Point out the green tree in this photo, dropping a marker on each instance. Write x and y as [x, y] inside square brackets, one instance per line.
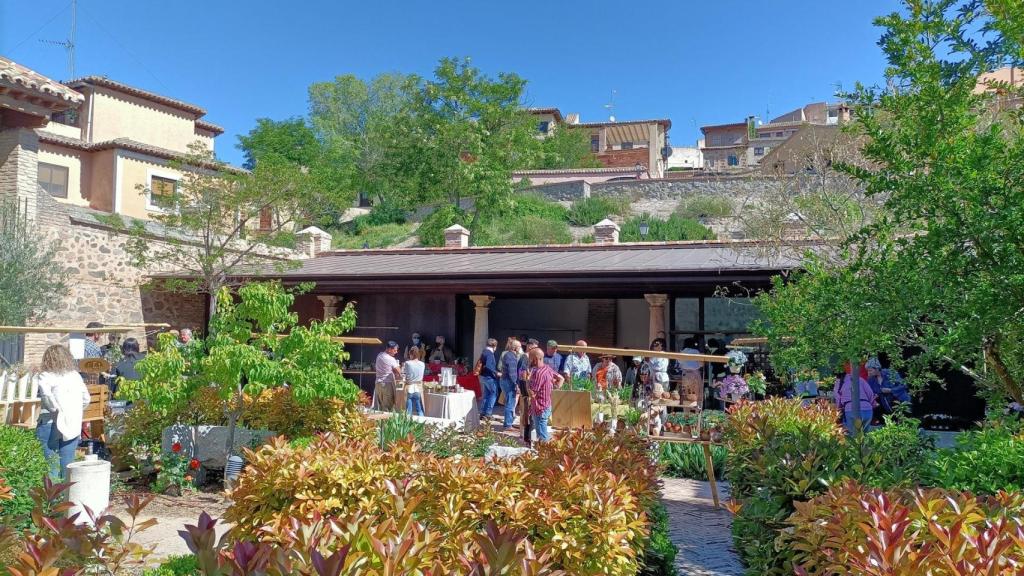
[211, 221]
[256, 344]
[32, 278]
[469, 132]
[565, 147]
[939, 269]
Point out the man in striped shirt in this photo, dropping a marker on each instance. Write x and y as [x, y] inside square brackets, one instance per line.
[543, 378]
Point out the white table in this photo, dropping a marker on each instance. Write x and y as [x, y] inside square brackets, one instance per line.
[458, 406]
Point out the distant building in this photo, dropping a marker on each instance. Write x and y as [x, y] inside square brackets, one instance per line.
[686, 157]
[742, 145]
[616, 144]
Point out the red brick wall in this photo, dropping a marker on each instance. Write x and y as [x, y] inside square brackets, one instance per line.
[602, 317]
[623, 158]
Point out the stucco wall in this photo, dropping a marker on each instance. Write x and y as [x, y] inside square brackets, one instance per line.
[117, 115]
[72, 160]
[136, 172]
[101, 180]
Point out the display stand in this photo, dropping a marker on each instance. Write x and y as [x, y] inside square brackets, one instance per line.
[571, 409]
[709, 464]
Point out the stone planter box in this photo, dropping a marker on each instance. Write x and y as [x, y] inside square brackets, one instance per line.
[210, 441]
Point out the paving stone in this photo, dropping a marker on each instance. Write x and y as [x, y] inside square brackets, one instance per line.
[699, 529]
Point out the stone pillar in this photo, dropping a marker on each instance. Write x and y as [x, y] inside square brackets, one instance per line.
[456, 236]
[656, 306]
[481, 324]
[606, 232]
[330, 306]
[311, 241]
[19, 169]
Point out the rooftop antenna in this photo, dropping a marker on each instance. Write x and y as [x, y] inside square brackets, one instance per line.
[610, 106]
[68, 44]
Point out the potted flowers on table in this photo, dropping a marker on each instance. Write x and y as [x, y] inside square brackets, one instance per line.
[757, 383]
[714, 421]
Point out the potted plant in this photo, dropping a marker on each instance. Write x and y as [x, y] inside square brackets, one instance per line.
[713, 422]
[757, 383]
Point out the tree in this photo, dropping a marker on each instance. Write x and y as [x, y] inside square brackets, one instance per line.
[468, 132]
[211, 222]
[565, 147]
[361, 125]
[257, 344]
[32, 278]
[940, 268]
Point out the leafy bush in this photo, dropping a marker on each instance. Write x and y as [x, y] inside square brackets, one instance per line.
[521, 230]
[398, 427]
[22, 468]
[675, 228]
[659, 557]
[984, 461]
[696, 207]
[527, 204]
[380, 215]
[382, 236]
[687, 460]
[895, 454]
[852, 529]
[175, 566]
[582, 497]
[779, 452]
[447, 441]
[590, 211]
[431, 230]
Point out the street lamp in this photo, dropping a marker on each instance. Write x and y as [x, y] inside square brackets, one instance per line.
[645, 227]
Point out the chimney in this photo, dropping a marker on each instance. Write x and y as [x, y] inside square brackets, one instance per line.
[606, 232]
[572, 118]
[456, 236]
[311, 241]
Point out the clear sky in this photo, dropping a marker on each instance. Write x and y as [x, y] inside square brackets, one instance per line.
[694, 62]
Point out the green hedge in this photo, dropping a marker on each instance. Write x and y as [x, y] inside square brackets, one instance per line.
[23, 466]
[675, 228]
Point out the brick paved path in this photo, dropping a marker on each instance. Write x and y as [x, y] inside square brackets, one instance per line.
[699, 530]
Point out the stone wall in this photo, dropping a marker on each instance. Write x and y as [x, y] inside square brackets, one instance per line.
[563, 191]
[19, 148]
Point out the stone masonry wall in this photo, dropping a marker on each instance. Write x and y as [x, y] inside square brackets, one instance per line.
[18, 166]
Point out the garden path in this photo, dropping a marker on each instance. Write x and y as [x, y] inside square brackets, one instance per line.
[699, 529]
[172, 514]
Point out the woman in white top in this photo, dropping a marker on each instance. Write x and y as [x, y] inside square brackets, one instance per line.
[412, 371]
[659, 367]
[63, 397]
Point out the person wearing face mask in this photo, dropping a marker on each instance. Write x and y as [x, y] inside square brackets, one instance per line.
[440, 353]
[415, 342]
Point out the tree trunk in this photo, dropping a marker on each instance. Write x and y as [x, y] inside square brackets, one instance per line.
[994, 359]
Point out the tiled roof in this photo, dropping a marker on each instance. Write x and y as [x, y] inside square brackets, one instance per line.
[204, 125]
[146, 94]
[555, 172]
[715, 126]
[15, 73]
[125, 144]
[663, 121]
[585, 259]
[553, 111]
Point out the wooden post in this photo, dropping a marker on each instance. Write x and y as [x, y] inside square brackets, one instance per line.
[709, 463]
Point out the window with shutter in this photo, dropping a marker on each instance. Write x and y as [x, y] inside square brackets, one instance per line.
[161, 192]
[53, 179]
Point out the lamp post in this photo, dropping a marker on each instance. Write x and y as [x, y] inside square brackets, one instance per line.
[645, 227]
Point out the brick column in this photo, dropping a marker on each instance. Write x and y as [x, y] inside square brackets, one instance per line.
[19, 168]
[481, 324]
[656, 306]
[602, 321]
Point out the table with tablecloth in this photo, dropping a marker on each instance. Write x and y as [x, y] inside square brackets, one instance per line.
[468, 381]
[460, 406]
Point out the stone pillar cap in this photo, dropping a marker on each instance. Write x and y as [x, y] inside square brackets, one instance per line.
[314, 231]
[456, 228]
[606, 223]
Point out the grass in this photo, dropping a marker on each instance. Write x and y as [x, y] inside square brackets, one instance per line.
[590, 211]
[705, 207]
[673, 229]
[380, 236]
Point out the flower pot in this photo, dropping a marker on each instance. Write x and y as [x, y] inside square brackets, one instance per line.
[705, 434]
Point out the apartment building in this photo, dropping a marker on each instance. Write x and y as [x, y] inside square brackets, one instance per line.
[626, 144]
[742, 145]
[116, 151]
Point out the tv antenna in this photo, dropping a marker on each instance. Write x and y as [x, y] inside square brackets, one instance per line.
[610, 106]
[68, 44]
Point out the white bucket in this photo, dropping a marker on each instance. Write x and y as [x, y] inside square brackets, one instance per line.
[90, 487]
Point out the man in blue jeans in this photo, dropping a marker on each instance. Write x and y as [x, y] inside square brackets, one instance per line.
[488, 378]
[543, 379]
[509, 365]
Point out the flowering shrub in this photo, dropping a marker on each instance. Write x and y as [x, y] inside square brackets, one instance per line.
[852, 529]
[582, 498]
[175, 472]
[734, 384]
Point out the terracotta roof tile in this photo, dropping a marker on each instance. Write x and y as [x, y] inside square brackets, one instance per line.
[139, 92]
[125, 144]
[15, 73]
[204, 125]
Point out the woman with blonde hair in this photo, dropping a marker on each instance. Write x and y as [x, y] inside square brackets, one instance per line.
[64, 397]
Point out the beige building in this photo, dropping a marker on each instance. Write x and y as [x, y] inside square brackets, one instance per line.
[115, 151]
[742, 145]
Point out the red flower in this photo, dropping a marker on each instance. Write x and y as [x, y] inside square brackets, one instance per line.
[194, 464]
[176, 447]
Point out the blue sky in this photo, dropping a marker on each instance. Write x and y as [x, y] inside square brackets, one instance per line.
[693, 62]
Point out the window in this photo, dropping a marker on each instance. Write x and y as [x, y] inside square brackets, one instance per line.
[53, 179]
[69, 117]
[626, 146]
[543, 127]
[161, 193]
[759, 151]
[595, 143]
[733, 160]
[778, 134]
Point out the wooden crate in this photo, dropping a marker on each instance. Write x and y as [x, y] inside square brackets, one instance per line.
[571, 409]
